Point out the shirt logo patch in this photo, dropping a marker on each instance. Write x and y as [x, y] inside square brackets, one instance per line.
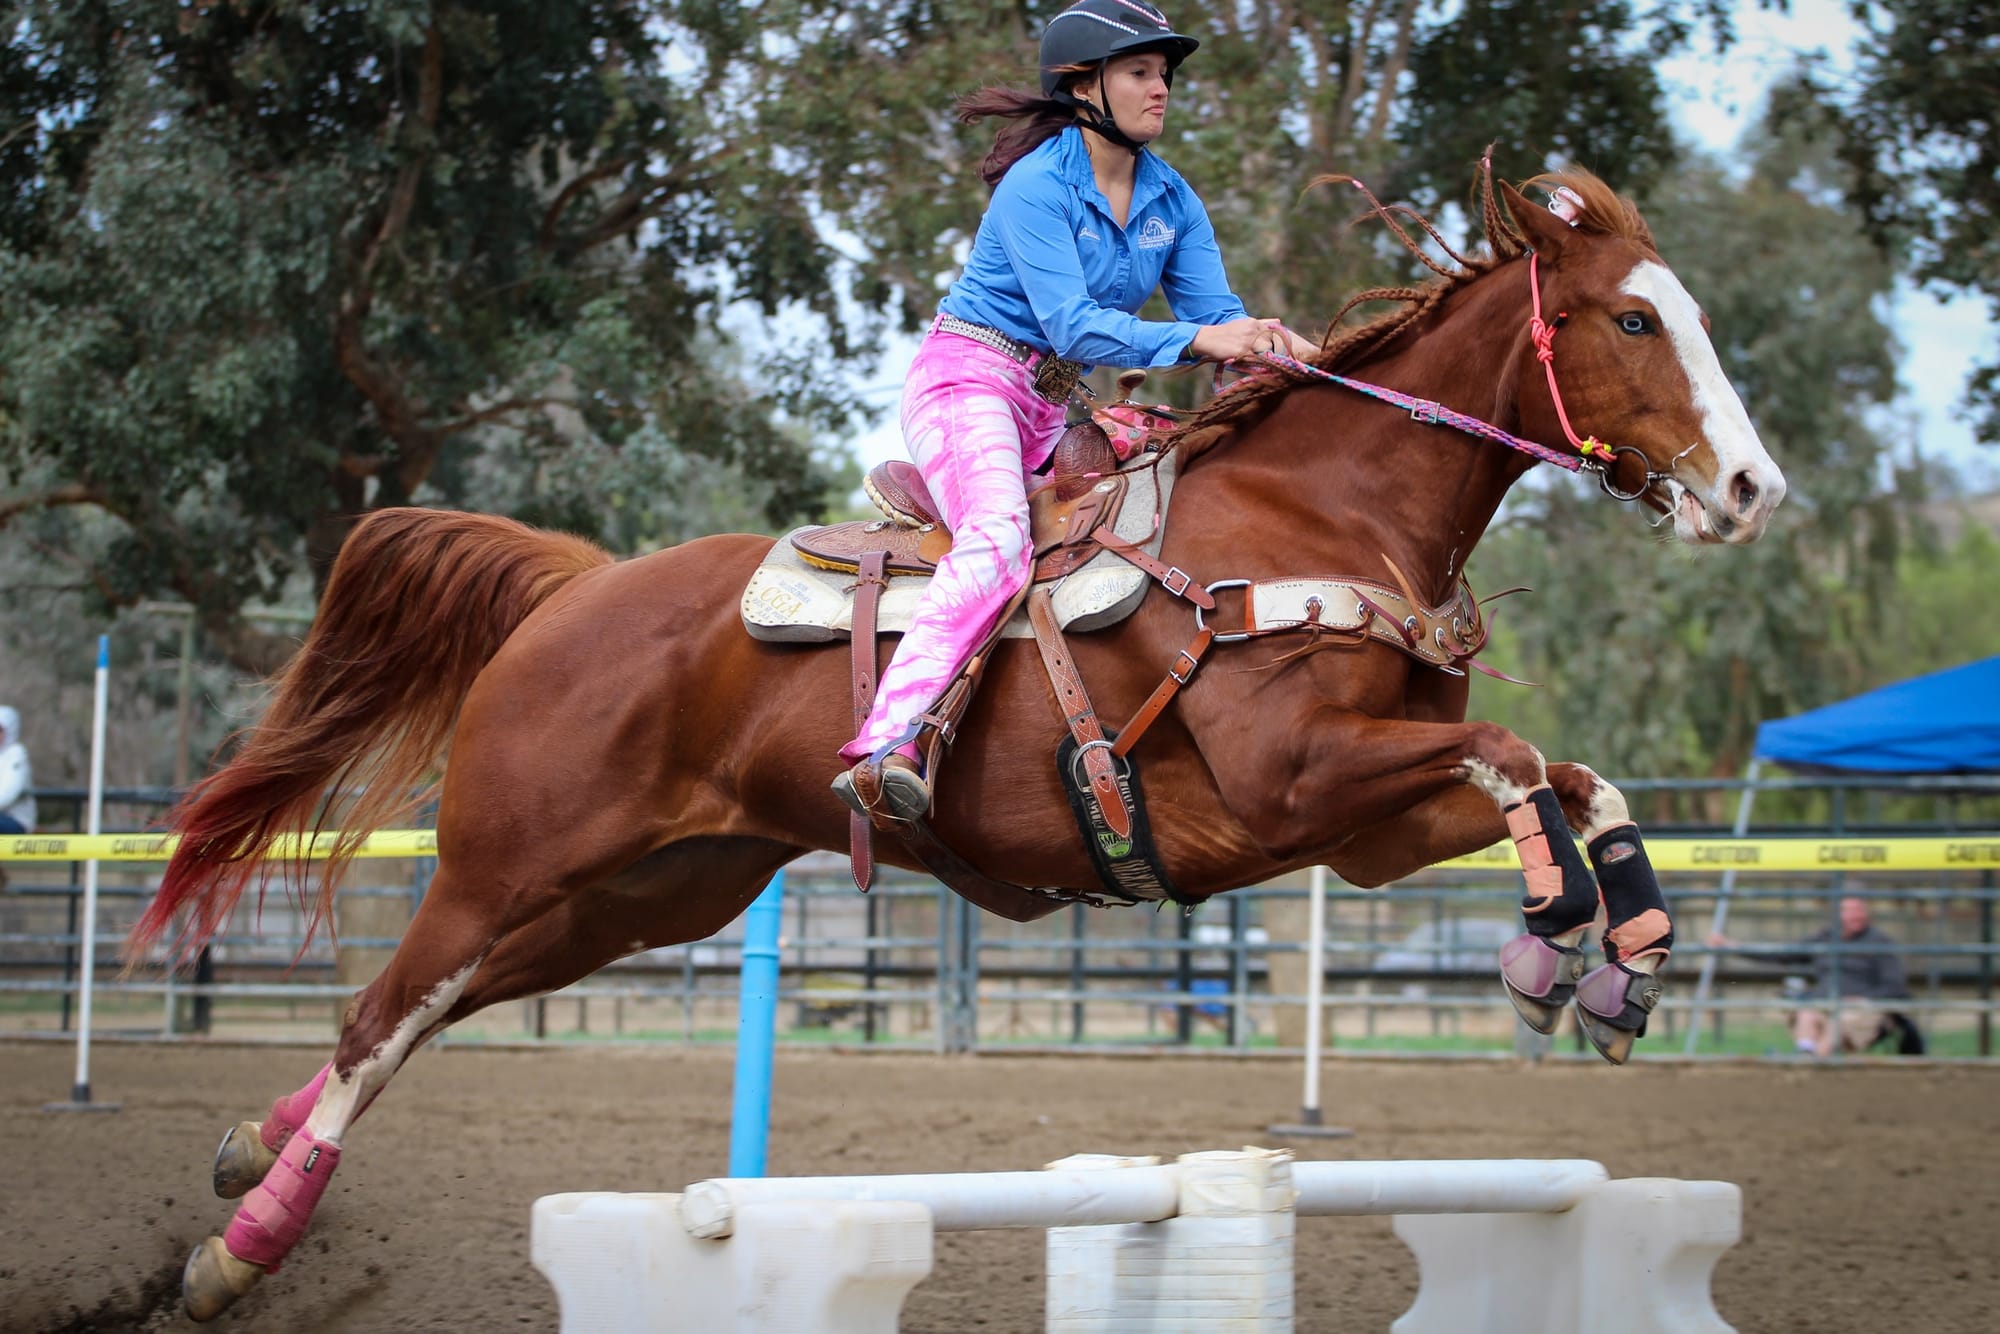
[1087, 234]
[1155, 235]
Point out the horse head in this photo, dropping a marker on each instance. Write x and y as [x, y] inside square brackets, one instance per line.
[1615, 342]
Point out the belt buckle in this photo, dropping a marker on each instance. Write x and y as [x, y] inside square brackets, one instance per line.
[1057, 379]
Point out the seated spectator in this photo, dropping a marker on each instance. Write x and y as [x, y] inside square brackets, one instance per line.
[1867, 975]
[17, 801]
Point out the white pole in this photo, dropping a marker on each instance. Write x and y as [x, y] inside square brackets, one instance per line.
[1310, 1124]
[1315, 989]
[79, 1095]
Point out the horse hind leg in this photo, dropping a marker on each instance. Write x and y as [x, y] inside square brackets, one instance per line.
[383, 1025]
[552, 944]
[1614, 999]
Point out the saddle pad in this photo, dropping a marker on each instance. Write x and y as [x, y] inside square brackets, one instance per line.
[789, 602]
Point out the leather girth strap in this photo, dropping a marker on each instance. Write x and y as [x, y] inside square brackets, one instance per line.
[870, 582]
[1078, 713]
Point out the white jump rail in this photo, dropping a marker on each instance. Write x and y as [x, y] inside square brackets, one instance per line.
[1135, 1244]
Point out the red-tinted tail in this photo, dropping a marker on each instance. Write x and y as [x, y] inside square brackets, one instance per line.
[418, 603]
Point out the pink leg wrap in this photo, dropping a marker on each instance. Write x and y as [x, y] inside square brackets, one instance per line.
[273, 1216]
[290, 1111]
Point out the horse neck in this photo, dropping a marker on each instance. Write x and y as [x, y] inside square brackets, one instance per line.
[1391, 486]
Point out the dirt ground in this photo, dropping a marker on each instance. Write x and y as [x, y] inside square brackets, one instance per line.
[1871, 1195]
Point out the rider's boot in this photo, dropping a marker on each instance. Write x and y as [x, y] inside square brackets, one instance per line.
[893, 786]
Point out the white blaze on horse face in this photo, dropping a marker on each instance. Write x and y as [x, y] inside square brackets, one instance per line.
[1736, 503]
[341, 1100]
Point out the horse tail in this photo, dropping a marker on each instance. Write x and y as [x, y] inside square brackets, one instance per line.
[418, 603]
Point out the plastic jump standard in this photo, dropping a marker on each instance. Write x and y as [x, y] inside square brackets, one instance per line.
[1202, 1243]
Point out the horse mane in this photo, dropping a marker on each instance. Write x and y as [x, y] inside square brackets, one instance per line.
[1603, 212]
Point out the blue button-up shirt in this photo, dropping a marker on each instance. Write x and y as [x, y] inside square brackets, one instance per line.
[1052, 267]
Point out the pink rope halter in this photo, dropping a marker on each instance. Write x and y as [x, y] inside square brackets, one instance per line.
[1544, 335]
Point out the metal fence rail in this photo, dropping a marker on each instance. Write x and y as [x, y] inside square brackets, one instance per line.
[1409, 968]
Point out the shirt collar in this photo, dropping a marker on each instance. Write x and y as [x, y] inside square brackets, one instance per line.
[1073, 157]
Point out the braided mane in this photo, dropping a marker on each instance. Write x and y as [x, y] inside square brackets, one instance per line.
[1604, 213]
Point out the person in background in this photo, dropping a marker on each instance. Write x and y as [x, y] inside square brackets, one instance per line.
[1869, 972]
[17, 798]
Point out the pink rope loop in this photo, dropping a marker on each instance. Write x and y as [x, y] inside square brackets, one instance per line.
[1544, 336]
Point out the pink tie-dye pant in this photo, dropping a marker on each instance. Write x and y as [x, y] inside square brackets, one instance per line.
[976, 430]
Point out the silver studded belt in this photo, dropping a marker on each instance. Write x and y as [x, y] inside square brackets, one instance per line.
[1056, 378]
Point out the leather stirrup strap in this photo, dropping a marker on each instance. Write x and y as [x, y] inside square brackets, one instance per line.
[1016, 903]
[870, 581]
[1077, 712]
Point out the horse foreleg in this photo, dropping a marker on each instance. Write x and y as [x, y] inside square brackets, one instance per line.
[1614, 999]
[1434, 772]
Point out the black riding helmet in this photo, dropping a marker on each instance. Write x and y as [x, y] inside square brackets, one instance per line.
[1091, 32]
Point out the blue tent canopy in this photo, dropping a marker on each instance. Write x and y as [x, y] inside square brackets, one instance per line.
[1944, 723]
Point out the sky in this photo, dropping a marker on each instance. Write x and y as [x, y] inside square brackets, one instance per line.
[1714, 102]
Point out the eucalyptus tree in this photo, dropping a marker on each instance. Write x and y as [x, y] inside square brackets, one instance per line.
[266, 265]
[1659, 660]
[1405, 95]
[1918, 130]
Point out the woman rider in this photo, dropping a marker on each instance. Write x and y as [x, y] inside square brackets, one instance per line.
[1084, 224]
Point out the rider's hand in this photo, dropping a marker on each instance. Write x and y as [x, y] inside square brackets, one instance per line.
[1239, 339]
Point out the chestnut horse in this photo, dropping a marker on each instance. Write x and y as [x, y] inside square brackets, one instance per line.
[628, 767]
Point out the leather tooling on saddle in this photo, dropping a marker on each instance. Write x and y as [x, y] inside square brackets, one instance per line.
[803, 591]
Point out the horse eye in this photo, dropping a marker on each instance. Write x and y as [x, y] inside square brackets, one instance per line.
[1634, 323]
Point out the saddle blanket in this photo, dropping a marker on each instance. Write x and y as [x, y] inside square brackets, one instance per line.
[790, 602]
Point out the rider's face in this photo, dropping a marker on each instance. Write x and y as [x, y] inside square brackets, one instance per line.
[1134, 91]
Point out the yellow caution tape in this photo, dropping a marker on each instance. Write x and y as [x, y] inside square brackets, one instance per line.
[159, 847]
[1970, 853]
[1789, 854]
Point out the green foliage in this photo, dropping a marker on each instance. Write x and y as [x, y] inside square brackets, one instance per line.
[1918, 129]
[266, 266]
[1278, 94]
[1662, 660]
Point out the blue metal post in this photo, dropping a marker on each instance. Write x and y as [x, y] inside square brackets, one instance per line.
[756, 1032]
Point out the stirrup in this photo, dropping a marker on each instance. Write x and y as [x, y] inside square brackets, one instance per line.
[1612, 1004]
[898, 790]
[1540, 976]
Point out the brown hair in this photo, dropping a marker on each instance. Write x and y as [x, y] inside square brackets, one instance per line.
[1032, 120]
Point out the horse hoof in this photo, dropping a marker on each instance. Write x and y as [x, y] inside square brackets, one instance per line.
[214, 1279]
[241, 1161]
[1611, 1007]
[1540, 976]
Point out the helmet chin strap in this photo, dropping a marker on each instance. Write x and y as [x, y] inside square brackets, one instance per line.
[1100, 121]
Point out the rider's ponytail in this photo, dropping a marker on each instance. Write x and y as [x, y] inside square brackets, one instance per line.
[1032, 120]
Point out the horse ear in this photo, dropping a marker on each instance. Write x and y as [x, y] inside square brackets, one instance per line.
[1545, 231]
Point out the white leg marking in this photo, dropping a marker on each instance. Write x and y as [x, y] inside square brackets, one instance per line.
[341, 1100]
[1724, 423]
[1605, 809]
[1504, 791]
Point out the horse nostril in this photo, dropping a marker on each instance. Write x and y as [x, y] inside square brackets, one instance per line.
[1743, 490]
